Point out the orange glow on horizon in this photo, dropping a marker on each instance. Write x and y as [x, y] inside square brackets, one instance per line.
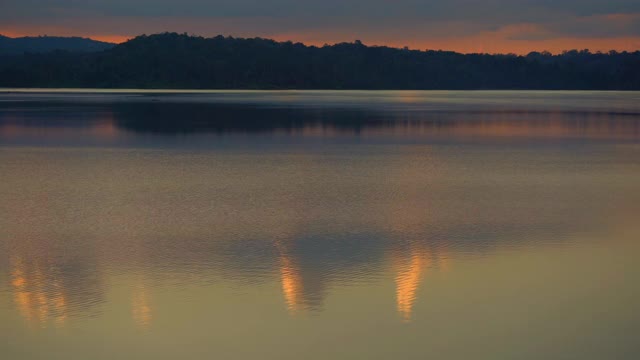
[116, 39]
[492, 44]
[495, 42]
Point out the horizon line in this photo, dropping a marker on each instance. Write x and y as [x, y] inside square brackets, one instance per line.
[118, 40]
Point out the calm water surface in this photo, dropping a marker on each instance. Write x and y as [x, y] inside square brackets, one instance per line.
[319, 225]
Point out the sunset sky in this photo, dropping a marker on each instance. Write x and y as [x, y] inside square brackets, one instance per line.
[492, 26]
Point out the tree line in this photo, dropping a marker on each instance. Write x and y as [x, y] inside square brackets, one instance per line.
[180, 61]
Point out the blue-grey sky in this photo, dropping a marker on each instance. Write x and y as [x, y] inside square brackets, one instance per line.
[462, 25]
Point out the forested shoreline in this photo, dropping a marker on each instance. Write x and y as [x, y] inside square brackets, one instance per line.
[180, 61]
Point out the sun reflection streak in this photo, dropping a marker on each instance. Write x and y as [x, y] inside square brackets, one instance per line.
[141, 310]
[291, 284]
[290, 279]
[410, 270]
[37, 297]
[408, 276]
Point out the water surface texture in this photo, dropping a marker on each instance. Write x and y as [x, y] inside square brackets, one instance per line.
[319, 225]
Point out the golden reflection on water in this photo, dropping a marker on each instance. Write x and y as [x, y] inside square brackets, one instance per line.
[410, 270]
[291, 280]
[408, 277]
[39, 297]
[141, 307]
[132, 236]
[408, 189]
[291, 284]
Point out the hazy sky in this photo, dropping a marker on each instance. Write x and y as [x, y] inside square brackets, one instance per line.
[516, 26]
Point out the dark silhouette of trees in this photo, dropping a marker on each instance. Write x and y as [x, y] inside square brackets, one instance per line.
[42, 44]
[173, 60]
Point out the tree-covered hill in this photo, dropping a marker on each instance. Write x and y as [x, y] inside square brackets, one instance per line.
[43, 44]
[172, 60]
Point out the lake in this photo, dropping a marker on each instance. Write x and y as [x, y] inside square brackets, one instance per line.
[319, 224]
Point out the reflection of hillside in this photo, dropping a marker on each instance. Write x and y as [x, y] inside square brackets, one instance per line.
[305, 218]
[178, 118]
[166, 117]
[216, 118]
[317, 232]
[55, 117]
[312, 218]
[308, 267]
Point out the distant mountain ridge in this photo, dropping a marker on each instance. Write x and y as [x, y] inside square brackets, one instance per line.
[180, 61]
[43, 44]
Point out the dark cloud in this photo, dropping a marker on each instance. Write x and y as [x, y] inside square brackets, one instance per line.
[442, 10]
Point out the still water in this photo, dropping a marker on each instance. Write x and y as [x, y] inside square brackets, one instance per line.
[319, 225]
